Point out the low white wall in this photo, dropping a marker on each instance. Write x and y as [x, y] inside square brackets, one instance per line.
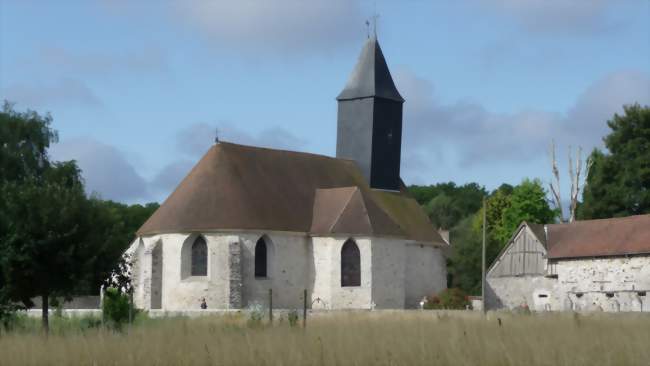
[77, 303]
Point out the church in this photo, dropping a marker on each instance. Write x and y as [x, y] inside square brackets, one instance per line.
[247, 220]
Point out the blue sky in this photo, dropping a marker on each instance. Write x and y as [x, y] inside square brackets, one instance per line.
[136, 89]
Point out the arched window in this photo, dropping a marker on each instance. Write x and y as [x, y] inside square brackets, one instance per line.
[199, 257]
[261, 258]
[350, 264]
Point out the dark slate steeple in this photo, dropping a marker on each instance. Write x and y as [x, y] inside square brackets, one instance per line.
[370, 119]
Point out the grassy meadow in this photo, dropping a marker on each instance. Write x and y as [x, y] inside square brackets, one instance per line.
[355, 338]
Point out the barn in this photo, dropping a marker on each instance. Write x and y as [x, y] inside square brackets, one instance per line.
[589, 265]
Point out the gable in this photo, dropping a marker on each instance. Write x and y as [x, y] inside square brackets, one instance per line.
[347, 211]
[524, 255]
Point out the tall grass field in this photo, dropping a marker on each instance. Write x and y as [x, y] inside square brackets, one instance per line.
[339, 338]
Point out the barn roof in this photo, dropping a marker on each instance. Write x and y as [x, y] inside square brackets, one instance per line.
[598, 238]
[239, 187]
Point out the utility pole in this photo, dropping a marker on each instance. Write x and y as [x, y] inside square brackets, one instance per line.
[483, 258]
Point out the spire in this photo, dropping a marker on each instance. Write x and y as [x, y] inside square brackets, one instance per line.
[370, 77]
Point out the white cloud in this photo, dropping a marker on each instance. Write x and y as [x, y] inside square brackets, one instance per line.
[575, 17]
[467, 135]
[279, 25]
[170, 176]
[195, 140]
[105, 169]
[65, 91]
[96, 63]
[109, 172]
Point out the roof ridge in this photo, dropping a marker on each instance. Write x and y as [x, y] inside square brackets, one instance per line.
[254, 147]
[622, 218]
[338, 217]
[367, 213]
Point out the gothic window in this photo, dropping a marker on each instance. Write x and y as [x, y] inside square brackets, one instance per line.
[199, 257]
[350, 264]
[261, 258]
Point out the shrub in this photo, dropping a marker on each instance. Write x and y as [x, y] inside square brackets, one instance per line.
[255, 314]
[293, 318]
[522, 309]
[451, 298]
[57, 304]
[115, 307]
[10, 320]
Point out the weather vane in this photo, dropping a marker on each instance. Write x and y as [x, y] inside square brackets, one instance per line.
[374, 23]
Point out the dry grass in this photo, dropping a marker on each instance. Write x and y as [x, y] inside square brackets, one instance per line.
[379, 338]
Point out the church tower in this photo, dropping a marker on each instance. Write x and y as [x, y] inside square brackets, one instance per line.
[369, 128]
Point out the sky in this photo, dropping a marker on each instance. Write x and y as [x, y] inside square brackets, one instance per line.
[137, 89]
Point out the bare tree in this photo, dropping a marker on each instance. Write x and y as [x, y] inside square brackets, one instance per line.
[577, 184]
[555, 189]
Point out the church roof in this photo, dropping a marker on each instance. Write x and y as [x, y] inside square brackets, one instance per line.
[370, 77]
[348, 210]
[237, 187]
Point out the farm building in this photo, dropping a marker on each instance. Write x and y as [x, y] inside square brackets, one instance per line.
[582, 266]
[248, 219]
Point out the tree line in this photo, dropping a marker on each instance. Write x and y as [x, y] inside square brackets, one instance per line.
[55, 241]
[618, 184]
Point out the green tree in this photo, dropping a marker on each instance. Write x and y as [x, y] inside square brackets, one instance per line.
[54, 241]
[619, 181]
[528, 202]
[443, 211]
[464, 265]
[24, 140]
[446, 203]
[115, 227]
[44, 249]
[507, 207]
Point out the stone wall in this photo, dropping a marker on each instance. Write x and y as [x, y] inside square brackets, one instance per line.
[356, 297]
[288, 269]
[513, 292]
[426, 273]
[327, 291]
[610, 284]
[593, 284]
[388, 274]
[392, 274]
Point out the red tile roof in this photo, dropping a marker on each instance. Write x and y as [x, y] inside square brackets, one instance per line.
[599, 238]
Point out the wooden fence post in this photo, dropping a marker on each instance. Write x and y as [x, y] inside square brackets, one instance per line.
[131, 307]
[304, 310]
[101, 303]
[270, 306]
